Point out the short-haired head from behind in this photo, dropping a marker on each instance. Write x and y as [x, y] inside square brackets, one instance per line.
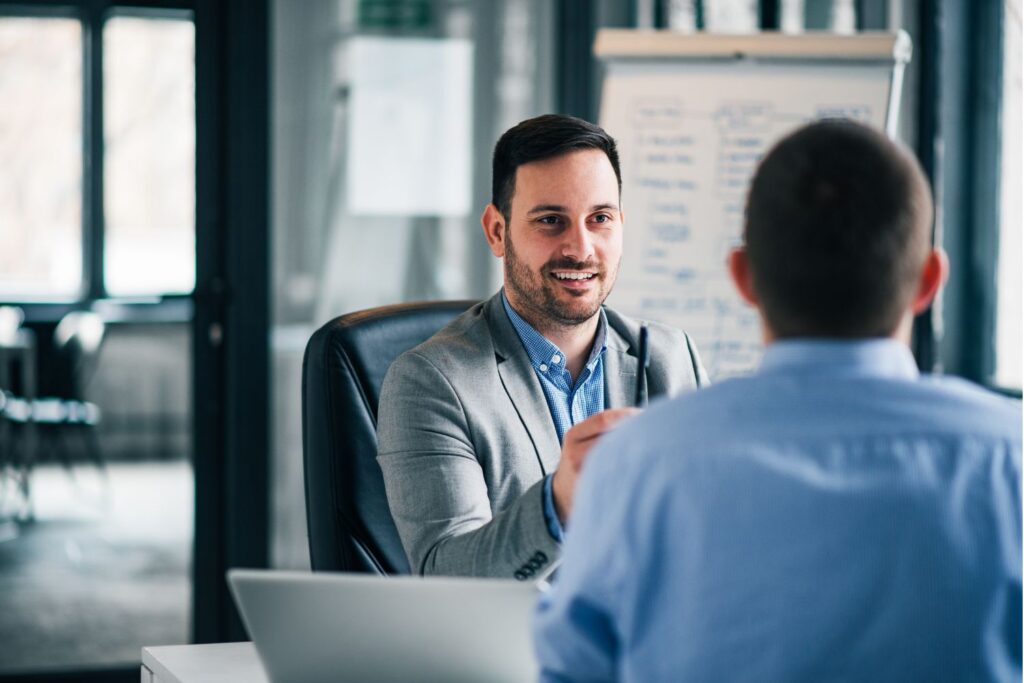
[838, 235]
[543, 137]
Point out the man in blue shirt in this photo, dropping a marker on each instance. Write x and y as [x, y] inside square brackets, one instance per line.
[835, 516]
[483, 427]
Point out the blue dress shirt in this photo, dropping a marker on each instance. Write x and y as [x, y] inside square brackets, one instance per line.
[569, 402]
[834, 517]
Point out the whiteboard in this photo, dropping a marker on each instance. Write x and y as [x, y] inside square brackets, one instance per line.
[409, 140]
[691, 128]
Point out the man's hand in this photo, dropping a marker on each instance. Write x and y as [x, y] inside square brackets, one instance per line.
[577, 443]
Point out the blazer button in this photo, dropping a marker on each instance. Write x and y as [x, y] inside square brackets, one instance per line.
[520, 575]
[540, 556]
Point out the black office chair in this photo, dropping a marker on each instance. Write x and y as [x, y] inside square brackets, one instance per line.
[347, 514]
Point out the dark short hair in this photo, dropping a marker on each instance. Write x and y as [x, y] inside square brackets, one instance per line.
[539, 138]
[838, 225]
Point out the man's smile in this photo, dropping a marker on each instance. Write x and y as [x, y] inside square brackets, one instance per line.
[573, 275]
[577, 281]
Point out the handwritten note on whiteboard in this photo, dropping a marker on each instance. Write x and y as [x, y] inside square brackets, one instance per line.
[690, 136]
[410, 130]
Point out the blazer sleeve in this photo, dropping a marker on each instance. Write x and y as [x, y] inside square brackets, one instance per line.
[436, 487]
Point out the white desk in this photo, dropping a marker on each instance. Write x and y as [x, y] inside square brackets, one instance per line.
[217, 663]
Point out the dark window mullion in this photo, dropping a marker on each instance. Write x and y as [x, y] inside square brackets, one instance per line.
[872, 15]
[981, 181]
[769, 15]
[93, 15]
[577, 25]
[930, 91]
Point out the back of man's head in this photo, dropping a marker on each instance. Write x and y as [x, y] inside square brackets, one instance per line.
[543, 137]
[838, 225]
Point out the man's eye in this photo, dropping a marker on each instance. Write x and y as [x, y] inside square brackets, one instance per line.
[550, 220]
[602, 218]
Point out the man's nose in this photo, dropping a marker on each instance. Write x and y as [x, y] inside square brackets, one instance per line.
[578, 243]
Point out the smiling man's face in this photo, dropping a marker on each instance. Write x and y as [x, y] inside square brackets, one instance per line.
[563, 240]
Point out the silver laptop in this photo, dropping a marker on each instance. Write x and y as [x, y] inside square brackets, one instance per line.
[315, 628]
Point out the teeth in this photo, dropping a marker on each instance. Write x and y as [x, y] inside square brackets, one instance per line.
[574, 276]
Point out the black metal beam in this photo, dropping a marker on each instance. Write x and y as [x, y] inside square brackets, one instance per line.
[247, 261]
[92, 150]
[769, 15]
[980, 181]
[231, 340]
[577, 26]
[963, 44]
[208, 391]
[929, 131]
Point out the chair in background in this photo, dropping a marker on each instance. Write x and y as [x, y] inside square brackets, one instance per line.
[347, 514]
[10, 322]
[66, 421]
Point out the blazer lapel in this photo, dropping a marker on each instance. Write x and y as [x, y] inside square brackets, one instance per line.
[620, 366]
[522, 386]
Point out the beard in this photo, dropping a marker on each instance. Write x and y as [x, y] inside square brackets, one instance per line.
[548, 304]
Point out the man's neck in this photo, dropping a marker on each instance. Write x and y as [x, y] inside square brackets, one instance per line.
[575, 341]
[902, 333]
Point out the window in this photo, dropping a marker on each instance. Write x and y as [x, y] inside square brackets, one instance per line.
[64, 235]
[149, 146]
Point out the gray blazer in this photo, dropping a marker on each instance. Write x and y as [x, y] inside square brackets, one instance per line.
[466, 438]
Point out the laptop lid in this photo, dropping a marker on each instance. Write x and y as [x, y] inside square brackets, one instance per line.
[315, 628]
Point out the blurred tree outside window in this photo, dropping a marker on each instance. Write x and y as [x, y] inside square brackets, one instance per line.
[147, 105]
[149, 163]
[41, 148]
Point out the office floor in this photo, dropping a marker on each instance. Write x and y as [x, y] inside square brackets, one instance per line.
[103, 570]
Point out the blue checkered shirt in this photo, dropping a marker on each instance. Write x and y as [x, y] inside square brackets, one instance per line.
[568, 402]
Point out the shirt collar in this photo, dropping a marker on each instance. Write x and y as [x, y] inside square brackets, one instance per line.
[883, 358]
[540, 350]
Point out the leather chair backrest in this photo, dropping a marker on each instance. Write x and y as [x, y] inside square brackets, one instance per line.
[347, 514]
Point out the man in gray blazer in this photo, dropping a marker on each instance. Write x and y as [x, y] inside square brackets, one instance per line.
[483, 428]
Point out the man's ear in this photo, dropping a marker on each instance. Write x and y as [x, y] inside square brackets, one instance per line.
[739, 271]
[493, 224]
[929, 282]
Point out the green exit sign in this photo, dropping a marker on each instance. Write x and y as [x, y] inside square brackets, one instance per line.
[401, 14]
